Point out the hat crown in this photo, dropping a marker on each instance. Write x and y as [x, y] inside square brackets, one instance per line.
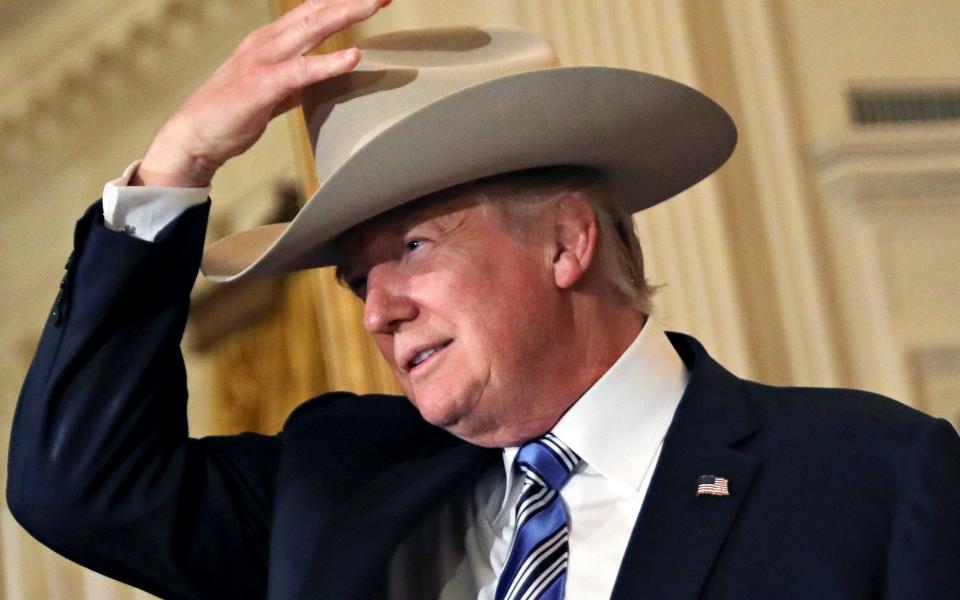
[401, 72]
[431, 109]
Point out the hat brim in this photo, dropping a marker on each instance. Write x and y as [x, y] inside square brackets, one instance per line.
[651, 137]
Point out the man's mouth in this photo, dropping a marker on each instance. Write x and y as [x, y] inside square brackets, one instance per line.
[424, 355]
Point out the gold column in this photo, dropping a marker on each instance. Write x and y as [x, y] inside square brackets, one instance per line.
[350, 359]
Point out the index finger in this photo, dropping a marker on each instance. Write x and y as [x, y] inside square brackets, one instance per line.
[313, 21]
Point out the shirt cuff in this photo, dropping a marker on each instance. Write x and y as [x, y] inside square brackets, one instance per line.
[143, 211]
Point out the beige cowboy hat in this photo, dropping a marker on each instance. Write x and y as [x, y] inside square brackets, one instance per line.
[430, 109]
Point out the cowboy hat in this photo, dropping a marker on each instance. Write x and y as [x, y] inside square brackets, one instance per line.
[430, 109]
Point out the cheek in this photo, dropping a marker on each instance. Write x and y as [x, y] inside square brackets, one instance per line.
[385, 345]
[508, 323]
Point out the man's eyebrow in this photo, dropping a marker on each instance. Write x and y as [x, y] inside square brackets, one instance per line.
[403, 221]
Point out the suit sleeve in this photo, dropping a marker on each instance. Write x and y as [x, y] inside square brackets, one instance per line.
[101, 468]
[923, 561]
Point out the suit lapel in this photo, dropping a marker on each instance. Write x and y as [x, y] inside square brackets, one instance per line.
[678, 534]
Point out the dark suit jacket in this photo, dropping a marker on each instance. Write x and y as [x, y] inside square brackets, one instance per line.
[833, 494]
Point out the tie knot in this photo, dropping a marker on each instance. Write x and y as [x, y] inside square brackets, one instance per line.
[549, 459]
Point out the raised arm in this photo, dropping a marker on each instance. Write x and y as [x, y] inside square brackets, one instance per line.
[101, 467]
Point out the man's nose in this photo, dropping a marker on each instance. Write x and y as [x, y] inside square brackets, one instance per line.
[387, 304]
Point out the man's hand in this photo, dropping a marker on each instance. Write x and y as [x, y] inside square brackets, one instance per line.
[260, 80]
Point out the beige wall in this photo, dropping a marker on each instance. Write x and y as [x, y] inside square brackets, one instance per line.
[823, 254]
[888, 197]
[834, 42]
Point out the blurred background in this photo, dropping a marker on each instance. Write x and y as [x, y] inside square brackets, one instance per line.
[825, 253]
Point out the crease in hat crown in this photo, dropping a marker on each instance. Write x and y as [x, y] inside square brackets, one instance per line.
[402, 71]
[429, 109]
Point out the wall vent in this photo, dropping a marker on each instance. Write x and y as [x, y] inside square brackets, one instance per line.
[876, 105]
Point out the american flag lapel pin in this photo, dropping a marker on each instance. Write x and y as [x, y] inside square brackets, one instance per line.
[711, 485]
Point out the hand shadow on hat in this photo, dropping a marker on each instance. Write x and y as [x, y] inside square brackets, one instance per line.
[348, 86]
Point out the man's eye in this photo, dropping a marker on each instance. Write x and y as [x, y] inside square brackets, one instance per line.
[413, 244]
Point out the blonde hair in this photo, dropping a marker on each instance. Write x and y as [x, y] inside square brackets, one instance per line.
[618, 247]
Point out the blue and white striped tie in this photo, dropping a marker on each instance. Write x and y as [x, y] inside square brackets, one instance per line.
[537, 565]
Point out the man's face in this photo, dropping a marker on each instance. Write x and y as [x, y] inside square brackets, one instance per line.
[462, 306]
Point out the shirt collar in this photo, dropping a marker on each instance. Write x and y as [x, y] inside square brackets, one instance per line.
[617, 426]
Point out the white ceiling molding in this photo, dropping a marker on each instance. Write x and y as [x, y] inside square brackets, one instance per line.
[915, 163]
[71, 55]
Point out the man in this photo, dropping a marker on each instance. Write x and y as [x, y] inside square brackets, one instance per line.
[555, 443]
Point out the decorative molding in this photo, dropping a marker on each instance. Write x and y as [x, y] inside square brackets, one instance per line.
[219, 310]
[916, 165]
[876, 188]
[891, 142]
[71, 57]
[226, 309]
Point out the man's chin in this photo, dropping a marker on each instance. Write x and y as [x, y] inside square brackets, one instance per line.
[464, 426]
[454, 420]
[438, 413]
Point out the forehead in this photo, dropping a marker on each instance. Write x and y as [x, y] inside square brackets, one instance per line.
[452, 204]
[408, 215]
[498, 200]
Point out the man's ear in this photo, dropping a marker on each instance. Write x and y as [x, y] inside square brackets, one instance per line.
[575, 238]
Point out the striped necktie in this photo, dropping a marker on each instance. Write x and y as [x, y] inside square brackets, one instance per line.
[537, 565]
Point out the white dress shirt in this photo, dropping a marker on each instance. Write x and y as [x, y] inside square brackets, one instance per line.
[617, 427]
[143, 211]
